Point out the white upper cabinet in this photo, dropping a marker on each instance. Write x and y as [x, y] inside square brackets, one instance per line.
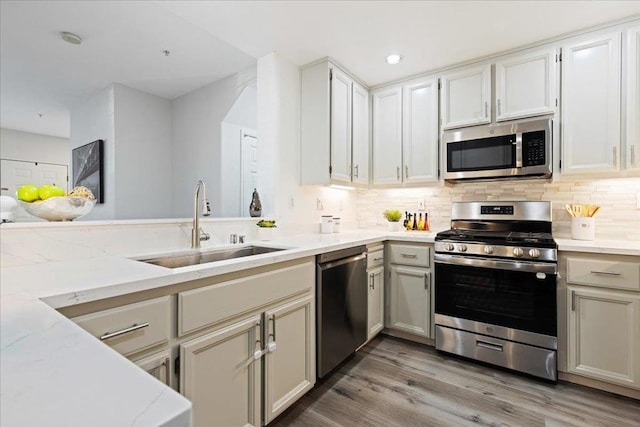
[420, 130]
[334, 127]
[591, 105]
[466, 97]
[633, 98]
[526, 85]
[360, 134]
[340, 126]
[387, 135]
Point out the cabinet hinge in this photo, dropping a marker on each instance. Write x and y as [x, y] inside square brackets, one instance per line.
[330, 169]
[330, 74]
[176, 366]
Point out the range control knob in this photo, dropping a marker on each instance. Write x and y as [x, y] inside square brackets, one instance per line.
[488, 250]
[462, 248]
[534, 253]
[518, 252]
[449, 247]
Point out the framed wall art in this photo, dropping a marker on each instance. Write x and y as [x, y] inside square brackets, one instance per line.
[87, 162]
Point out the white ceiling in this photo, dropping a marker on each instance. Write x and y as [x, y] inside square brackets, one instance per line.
[123, 42]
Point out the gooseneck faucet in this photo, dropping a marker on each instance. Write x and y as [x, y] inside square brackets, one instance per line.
[197, 234]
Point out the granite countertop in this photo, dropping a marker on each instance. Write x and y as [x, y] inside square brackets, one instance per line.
[53, 372]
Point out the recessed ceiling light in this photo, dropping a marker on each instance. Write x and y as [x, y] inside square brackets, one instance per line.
[394, 58]
[70, 37]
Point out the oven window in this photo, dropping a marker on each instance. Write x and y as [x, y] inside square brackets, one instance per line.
[497, 152]
[514, 299]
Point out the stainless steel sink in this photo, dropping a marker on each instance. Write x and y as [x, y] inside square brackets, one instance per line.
[194, 258]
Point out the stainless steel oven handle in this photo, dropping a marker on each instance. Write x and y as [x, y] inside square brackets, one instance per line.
[532, 267]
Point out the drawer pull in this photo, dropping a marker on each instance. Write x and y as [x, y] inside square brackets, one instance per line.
[488, 345]
[372, 282]
[167, 370]
[409, 255]
[378, 259]
[608, 273]
[131, 328]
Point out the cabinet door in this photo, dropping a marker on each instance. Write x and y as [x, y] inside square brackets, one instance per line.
[375, 302]
[360, 134]
[633, 99]
[158, 365]
[220, 376]
[387, 136]
[465, 97]
[591, 105]
[290, 369]
[420, 135]
[526, 85]
[340, 126]
[409, 303]
[604, 335]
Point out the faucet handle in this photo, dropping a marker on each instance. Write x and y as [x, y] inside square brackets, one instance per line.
[233, 238]
[203, 235]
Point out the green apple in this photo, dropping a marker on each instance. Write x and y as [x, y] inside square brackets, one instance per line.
[47, 191]
[28, 193]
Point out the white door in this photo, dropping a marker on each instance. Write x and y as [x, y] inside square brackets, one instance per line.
[360, 134]
[249, 169]
[420, 135]
[375, 301]
[16, 173]
[526, 85]
[604, 335]
[159, 366]
[290, 369]
[409, 303]
[465, 97]
[591, 105]
[340, 126]
[387, 136]
[220, 376]
[633, 98]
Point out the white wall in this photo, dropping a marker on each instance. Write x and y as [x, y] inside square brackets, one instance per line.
[143, 178]
[196, 151]
[34, 147]
[92, 120]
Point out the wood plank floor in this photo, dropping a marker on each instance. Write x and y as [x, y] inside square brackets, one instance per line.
[392, 382]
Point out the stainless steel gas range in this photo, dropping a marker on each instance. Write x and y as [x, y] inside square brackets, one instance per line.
[495, 286]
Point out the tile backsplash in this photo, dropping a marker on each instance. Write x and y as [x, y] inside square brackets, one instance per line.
[619, 217]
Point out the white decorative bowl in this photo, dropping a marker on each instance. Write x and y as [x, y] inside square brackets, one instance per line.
[64, 208]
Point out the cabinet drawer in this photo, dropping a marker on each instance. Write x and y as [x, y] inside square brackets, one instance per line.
[409, 255]
[609, 274]
[131, 327]
[375, 259]
[206, 306]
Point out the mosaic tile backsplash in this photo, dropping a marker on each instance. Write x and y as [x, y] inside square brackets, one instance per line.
[618, 219]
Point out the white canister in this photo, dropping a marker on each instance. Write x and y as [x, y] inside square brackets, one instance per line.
[583, 228]
[326, 224]
[336, 224]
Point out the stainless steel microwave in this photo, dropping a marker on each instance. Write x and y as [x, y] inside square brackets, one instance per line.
[510, 150]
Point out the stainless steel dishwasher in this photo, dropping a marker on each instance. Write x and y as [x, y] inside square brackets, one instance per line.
[341, 298]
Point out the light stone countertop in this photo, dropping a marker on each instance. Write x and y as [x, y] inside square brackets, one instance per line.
[54, 373]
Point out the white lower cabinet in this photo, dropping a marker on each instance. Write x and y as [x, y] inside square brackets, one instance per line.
[289, 364]
[410, 301]
[159, 366]
[604, 335]
[375, 318]
[221, 372]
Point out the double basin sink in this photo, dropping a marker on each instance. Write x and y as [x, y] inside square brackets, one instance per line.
[195, 258]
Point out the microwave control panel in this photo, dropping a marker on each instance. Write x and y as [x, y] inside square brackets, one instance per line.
[533, 148]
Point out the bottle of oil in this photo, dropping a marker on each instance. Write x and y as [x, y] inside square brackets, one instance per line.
[415, 221]
[426, 222]
[420, 222]
[410, 223]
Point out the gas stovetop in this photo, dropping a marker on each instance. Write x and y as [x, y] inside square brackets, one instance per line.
[518, 230]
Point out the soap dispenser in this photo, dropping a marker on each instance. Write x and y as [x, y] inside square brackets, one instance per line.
[255, 208]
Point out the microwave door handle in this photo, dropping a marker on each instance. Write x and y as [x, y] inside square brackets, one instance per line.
[518, 150]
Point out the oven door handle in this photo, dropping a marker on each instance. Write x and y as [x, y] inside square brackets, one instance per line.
[531, 267]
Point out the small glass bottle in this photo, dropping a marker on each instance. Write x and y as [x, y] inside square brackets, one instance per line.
[415, 221]
[410, 222]
[426, 222]
[420, 222]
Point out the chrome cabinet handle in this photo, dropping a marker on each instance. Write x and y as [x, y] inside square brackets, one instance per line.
[378, 259]
[408, 255]
[398, 172]
[167, 370]
[356, 169]
[573, 301]
[427, 279]
[608, 273]
[131, 328]
[615, 160]
[486, 109]
[499, 107]
[406, 171]
[371, 281]
[488, 345]
[273, 320]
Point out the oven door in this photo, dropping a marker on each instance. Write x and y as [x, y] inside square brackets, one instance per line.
[513, 294]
